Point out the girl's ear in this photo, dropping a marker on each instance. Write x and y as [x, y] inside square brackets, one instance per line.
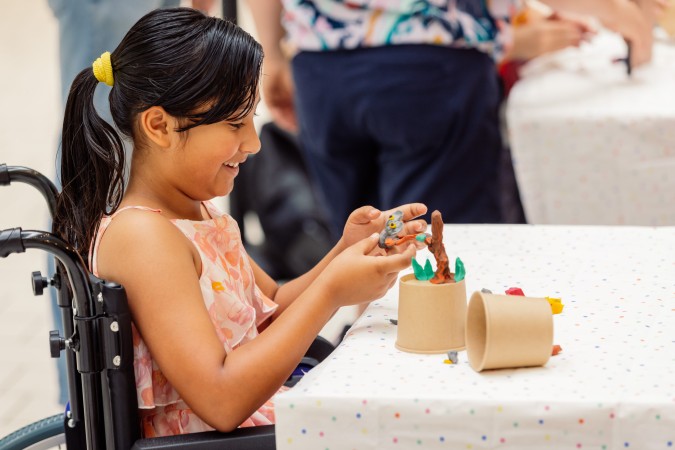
[158, 126]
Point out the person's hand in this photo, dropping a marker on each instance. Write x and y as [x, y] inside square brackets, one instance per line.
[541, 35]
[278, 91]
[628, 20]
[653, 10]
[368, 220]
[357, 276]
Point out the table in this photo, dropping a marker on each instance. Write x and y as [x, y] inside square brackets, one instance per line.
[612, 387]
[591, 145]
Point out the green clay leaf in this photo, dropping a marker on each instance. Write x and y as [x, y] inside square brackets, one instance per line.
[417, 269]
[428, 270]
[459, 270]
[422, 274]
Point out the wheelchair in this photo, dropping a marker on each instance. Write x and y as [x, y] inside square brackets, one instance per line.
[102, 412]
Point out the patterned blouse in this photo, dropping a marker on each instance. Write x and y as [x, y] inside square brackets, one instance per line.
[235, 305]
[317, 25]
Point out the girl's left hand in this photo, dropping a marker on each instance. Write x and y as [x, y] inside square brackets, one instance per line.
[368, 220]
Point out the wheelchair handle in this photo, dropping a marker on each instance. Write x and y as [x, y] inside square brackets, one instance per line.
[16, 240]
[11, 242]
[9, 174]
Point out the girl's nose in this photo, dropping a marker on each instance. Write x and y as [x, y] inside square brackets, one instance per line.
[251, 143]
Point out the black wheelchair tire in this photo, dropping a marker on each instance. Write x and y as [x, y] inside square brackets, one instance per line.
[43, 434]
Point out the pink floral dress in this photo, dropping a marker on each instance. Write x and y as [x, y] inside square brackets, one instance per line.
[236, 307]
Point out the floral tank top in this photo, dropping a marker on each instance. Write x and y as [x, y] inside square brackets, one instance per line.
[235, 305]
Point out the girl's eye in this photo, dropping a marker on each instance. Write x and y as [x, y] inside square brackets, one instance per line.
[236, 126]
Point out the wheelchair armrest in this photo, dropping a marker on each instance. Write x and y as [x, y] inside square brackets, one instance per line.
[320, 349]
[249, 438]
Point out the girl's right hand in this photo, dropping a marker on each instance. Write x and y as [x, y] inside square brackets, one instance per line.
[361, 274]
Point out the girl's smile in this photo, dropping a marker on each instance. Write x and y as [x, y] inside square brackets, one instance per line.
[232, 168]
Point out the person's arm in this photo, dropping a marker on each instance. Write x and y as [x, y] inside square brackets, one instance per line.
[278, 89]
[267, 18]
[653, 9]
[360, 224]
[621, 16]
[159, 267]
[204, 6]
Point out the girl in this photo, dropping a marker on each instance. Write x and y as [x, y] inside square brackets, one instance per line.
[215, 337]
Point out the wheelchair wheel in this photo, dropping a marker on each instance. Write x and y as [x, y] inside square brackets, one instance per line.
[41, 435]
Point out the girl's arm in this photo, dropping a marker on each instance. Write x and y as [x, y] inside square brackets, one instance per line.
[285, 294]
[361, 223]
[159, 268]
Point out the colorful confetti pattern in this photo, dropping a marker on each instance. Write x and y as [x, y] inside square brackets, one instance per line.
[612, 387]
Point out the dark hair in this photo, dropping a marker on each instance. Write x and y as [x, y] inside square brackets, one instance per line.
[179, 59]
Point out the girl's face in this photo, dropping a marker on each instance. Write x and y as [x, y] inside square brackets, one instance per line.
[211, 154]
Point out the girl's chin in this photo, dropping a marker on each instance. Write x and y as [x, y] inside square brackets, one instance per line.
[224, 189]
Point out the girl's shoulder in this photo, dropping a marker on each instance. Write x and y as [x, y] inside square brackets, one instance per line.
[136, 235]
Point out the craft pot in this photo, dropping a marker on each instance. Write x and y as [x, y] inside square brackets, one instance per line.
[506, 331]
[431, 317]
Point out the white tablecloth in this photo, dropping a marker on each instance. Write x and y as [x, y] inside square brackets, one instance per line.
[612, 387]
[591, 145]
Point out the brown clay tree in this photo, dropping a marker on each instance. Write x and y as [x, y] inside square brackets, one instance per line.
[436, 247]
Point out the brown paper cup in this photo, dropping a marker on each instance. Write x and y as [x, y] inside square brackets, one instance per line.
[431, 317]
[508, 331]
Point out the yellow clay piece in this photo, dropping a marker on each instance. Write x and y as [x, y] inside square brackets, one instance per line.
[556, 305]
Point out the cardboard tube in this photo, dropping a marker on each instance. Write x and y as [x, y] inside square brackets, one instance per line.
[508, 331]
[431, 317]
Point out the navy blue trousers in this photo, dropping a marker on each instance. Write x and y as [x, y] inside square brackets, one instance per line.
[391, 125]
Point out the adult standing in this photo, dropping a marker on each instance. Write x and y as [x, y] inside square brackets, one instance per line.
[395, 100]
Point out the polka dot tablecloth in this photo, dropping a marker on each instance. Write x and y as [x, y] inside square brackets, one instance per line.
[612, 387]
[591, 145]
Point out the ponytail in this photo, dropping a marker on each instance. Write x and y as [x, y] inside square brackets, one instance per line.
[175, 58]
[92, 167]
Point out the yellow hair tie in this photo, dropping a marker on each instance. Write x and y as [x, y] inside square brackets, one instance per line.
[103, 69]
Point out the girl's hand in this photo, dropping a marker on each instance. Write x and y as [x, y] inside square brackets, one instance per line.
[368, 220]
[357, 276]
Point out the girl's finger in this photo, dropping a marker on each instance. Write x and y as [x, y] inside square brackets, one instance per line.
[410, 210]
[367, 246]
[397, 262]
[415, 226]
[364, 215]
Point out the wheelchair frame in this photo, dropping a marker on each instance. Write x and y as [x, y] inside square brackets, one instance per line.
[103, 408]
